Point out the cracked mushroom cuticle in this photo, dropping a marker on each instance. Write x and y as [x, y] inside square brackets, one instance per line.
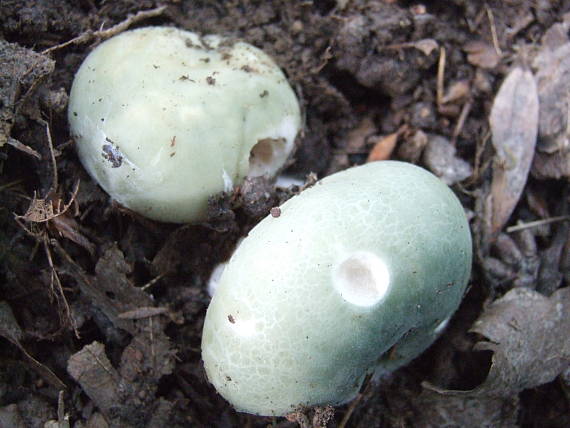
[345, 282]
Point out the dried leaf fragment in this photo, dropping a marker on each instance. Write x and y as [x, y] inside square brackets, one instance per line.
[514, 125]
[481, 54]
[553, 80]
[528, 334]
[383, 148]
[457, 92]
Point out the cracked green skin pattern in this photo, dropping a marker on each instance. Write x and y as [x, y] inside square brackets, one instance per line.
[163, 119]
[278, 335]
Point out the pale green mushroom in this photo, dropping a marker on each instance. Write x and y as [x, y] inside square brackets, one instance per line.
[164, 119]
[358, 274]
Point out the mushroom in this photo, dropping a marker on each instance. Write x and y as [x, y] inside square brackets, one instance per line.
[163, 119]
[357, 275]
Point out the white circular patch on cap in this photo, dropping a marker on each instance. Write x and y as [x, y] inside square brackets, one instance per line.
[362, 279]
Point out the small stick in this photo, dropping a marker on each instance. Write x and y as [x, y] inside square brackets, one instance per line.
[493, 31]
[23, 148]
[440, 76]
[461, 121]
[152, 281]
[349, 411]
[55, 183]
[116, 29]
[537, 223]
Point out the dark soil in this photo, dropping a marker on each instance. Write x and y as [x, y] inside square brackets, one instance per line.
[108, 307]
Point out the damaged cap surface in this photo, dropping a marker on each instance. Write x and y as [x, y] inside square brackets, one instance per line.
[163, 119]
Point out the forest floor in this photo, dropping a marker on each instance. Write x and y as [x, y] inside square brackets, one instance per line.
[108, 307]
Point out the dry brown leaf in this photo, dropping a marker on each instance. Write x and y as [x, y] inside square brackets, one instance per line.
[55, 213]
[552, 63]
[528, 334]
[43, 210]
[481, 54]
[514, 125]
[68, 227]
[383, 148]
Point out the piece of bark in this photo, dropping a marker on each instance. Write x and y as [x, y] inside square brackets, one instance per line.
[110, 290]
[91, 368]
[514, 125]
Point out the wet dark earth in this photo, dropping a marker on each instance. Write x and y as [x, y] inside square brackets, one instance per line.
[101, 310]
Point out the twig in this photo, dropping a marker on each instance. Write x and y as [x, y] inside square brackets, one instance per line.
[116, 29]
[62, 418]
[153, 281]
[24, 148]
[536, 223]
[461, 121]
[440, 76]
[11, 184]
[55, 183]
[349, 411]
[491, 18]
[55, 279]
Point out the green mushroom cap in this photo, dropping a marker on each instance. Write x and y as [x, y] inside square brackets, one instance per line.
[359, 273]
